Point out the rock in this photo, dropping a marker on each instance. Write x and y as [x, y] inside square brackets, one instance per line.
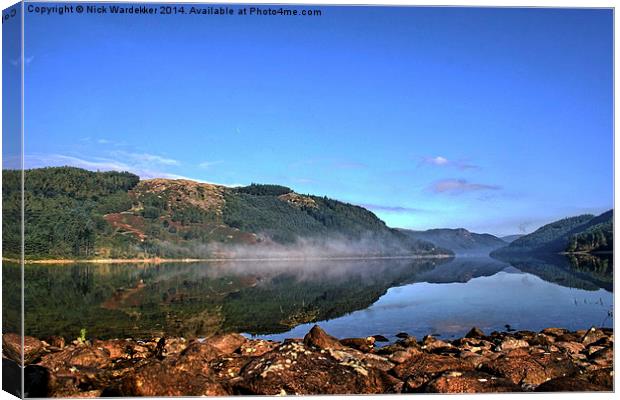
[437, 344]
[475, 333]
[174, 346]
[602, 377]
[80, 357]
[317, 337]
[56, 341]
[530, 369]
[591, 336]
[555, 332]
[12, 348]
[593, 349]
[116, 348]
[189, 374]
[409, 341]
[402, 335]
[362, 344]
[162, 378]
[227, 343]
[377, 362]
[308, 369]
[470, 382]
[422, 368]
[570, 347]
[380, 338]
[401, 356]
[540, 339]
[567, 337]
[228, 367]
[257, 347]
[603, 357]
[569, 384]
[510, 344]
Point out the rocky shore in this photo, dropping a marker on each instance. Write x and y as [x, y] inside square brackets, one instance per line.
[551, 360]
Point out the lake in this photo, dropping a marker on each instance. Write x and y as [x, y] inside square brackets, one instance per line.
[279, 299]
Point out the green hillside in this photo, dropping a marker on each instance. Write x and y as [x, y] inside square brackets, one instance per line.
[460, 241]
[74, 213]
[583, 233]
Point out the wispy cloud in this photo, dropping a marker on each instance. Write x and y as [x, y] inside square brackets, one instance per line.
[147, 158]
[387, 208]
[459, 186]
[440, 161]
[208, 164]
[105, 164]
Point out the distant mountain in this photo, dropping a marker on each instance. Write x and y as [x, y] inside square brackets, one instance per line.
[510, 238]
[460, 241]
[583, 233]
[74, 213]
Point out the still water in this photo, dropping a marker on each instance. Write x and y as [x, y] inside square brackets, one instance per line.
[278, 299]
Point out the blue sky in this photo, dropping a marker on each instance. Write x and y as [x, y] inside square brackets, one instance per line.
[496, 120]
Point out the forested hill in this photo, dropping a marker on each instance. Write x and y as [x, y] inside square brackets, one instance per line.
[460, 241]
[74, 213]
[583, 233]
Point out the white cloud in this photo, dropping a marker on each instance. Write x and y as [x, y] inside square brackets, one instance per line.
[208, 164]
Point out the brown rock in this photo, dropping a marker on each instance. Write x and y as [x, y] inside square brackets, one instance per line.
[603, 357]
[362, 344]
[257, 347]
[591, 336]
[540, 339]
[81, 357]
[317, 337]
[511, 343]
[475, 333]
[116, 348]
[56, 341]
[12, 348]
[470, 382]
[569, 384]
[531, 369]
[188, 374]
[227, 343]
[161, 378]
[602, 377]
[554, 331]
[422, 368]
[570, 347]
[297, 368]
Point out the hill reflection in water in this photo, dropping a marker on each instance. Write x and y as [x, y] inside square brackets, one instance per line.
[356, 297]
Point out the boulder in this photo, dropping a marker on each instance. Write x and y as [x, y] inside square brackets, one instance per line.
[511, 343]
[470, 382]
[227, 343]
[257, 347]
[12, 348]
[591, 336]
[570, 347]
[361, 344]
[298, 368]
[420, 369]
[475, 333]
[569, 384]
[530, 369]
[317, 337]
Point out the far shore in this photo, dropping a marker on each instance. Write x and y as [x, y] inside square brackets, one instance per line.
[157, 260]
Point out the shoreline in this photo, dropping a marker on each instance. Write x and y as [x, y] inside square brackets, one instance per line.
[554, 359]
[157, 260]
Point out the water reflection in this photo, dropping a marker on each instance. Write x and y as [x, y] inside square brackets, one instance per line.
[356, 297]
